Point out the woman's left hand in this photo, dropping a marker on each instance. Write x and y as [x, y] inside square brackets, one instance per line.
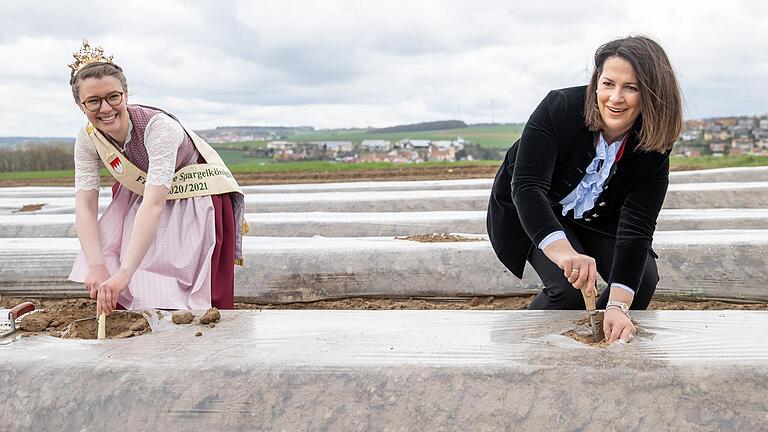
[109, 291]
[617, 326]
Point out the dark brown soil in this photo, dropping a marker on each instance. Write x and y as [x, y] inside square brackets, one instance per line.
[35, 322]
[54, 317]
[72, 309]
[210, 316]
[484, 302]
[120, 325]
[439, 238]
[185, 317]
[29, 208]
[358, 303]
[584, 333]
[406, 172]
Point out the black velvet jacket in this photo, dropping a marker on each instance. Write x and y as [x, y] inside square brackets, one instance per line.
[545, 165]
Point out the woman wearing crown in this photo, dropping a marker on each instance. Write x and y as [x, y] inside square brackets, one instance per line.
[172, 233]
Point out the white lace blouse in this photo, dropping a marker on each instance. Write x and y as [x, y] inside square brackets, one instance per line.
[162, 138]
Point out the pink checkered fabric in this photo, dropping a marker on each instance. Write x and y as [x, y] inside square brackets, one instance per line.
[136, 150]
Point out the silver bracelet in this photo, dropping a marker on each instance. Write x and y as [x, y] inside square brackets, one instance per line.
[617, 307]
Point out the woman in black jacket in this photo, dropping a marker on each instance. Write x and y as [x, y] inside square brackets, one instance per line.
[579, 193]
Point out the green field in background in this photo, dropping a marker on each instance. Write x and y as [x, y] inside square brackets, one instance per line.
[330, 166]
[238, 145]
[501, 136]
[680, 163]
[237, 157]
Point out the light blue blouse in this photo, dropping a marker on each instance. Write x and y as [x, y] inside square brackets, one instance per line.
[583, 197]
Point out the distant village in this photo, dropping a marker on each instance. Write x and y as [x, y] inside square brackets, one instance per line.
[727, 136]
[374, 150]
[402, 151]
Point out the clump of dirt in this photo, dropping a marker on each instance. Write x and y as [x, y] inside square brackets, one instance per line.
[198, 334]
[586, 338]
[74, 319]
[584, 334]
[212, 315]
[185, 317]
[119, 325]
[439, 238]
[29, 208]
[35, 322]
[54, 316]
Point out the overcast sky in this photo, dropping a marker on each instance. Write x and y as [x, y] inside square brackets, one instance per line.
[362, 63]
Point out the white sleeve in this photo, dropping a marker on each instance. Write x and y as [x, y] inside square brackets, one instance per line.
[87, 163]
[624, 287]
[554, 235]
[162, 138]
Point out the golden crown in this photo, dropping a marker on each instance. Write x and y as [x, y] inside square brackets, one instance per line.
[87, 55]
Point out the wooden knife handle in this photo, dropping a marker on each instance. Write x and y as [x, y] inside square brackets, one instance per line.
[20, 310]
[589, 299]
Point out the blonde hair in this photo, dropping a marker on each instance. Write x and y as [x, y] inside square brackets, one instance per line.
[661, 105]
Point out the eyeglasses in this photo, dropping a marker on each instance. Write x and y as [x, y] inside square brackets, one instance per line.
[93, 104]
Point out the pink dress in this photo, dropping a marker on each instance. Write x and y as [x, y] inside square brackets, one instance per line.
[176, 271]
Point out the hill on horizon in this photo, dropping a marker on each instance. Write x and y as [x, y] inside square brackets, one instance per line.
[422, 127]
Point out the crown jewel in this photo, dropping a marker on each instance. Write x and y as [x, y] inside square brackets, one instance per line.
[87, 55]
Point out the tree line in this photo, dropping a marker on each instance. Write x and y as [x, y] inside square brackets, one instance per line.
[37, 157]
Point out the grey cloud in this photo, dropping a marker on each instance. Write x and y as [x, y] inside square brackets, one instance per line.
[386, 60]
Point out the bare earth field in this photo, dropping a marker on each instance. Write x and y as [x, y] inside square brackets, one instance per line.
[407, 172]
[86, 307]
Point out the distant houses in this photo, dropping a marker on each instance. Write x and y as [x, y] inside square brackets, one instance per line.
[376, 145]
[730, 136]
[228, 134]
[402, 151]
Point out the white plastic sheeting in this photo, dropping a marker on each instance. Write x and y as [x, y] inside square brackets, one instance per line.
[379, 224]
[679, 196]
[739, 174]
[397, 370]
[720, 264]
[373, 201]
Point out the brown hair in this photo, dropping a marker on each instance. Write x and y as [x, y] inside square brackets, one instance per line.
[97, 70]
[661, 105]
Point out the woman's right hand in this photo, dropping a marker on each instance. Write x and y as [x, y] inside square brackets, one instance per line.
[579, 269]
[96, 276]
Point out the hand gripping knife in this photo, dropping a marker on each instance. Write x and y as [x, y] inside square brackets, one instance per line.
[589, 293]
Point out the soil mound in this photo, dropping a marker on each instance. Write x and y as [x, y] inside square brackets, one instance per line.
[75, 319]
[120, 325]
[583, 333]
[439, 238]
[185, 317]
[212, 315]
[54, 317]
